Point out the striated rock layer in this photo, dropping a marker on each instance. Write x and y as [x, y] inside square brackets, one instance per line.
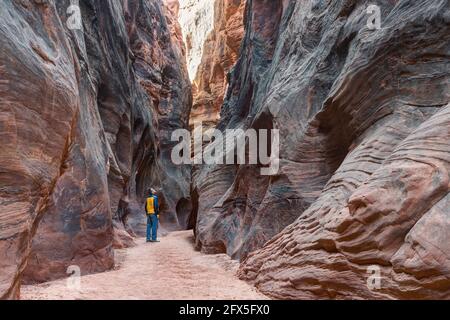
[364, 126]
[220, 53]
[85, 117]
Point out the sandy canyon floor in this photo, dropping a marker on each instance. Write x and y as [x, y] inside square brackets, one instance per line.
[170, 269]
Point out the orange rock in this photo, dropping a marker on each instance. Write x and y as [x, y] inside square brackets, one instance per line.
[363, 184]
[220, 53]
[85, 120]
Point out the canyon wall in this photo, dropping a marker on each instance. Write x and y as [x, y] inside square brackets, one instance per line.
[85, 119]
[363, 183]
[220, 53]
[213, 32]
[196, 19]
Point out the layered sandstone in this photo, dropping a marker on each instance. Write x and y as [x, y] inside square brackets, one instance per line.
[220, 53]
[364, 152]
[85, 117]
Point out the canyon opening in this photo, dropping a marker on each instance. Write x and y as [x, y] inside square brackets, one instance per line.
[225, 149]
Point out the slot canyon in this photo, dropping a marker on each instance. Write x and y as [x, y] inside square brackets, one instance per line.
[363, 115]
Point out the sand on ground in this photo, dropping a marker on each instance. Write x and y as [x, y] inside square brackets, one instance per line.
[170, 269]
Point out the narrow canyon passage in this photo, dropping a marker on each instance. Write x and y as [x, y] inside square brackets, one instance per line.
[171, 269]
[350, 99]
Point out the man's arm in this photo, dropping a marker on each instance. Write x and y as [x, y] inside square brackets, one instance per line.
[156, 205]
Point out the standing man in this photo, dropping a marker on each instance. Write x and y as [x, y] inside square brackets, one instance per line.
[152, 211]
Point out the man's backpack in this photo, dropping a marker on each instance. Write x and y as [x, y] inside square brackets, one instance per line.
[150, 206]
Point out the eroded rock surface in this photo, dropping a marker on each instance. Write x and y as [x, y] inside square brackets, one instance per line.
[364, 152]
[197, 21]
[84, 121]
[220, 53]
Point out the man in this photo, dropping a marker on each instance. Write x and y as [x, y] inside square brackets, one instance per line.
[152, 211]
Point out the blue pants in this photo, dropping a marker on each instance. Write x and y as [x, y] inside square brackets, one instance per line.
[152, 227]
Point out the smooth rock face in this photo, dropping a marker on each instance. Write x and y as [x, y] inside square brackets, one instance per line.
[159, 62]
[364, 124]
[196, 18]
[220, 53]
[84, 123]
